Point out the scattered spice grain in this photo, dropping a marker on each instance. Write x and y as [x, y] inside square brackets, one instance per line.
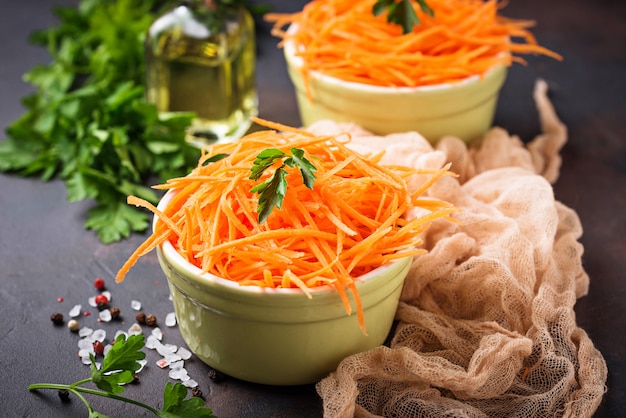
[102, 298]
[151, 320]
[72, 325]
[140, 318]
[98, 348]
[99, 283]
[197, 392]
[215, 376]
[57, 318]
[115, 312]
[64, 395]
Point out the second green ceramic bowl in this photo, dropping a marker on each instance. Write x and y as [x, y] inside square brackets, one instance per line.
[465, 109]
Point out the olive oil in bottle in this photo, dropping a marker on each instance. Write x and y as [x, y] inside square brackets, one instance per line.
[200, 57]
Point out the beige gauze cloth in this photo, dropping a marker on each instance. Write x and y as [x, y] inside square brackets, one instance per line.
[486, 322]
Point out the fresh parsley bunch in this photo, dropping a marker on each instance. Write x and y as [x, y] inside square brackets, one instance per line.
[118, 369]
[88, 123]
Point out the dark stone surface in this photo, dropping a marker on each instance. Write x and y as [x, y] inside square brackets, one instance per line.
[45, 253]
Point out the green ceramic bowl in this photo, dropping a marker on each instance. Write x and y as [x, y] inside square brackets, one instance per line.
[465, 109]
[277, 336]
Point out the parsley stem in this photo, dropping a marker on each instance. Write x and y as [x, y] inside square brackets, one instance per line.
[76, 389]
[80, 382]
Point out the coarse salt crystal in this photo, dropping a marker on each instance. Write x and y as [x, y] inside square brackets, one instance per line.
[178, 374]
[85, 344]
[170, 319]
[135, 329]
[157, 333]
[164, 350]
[107, 294]
[84, 352]
[75, 311]
[98, 335]
[84, 331]
[152, 342]
[177, 364]
[162, 363]
[105, 315]
[183, 353]
[135, 304]
[92, 302]
[190, 383]
[172, 358]
[171, 347]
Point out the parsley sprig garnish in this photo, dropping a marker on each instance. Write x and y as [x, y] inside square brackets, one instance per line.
[401, 12]
[272, 191]
[118, 369]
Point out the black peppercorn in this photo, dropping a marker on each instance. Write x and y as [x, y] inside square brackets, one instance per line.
[197, 392]
[64, 395]
[215, 376]
[140, 318]
[57, 318]
[151, 320]
[115, 312]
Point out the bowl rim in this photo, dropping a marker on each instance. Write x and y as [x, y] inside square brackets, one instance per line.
[289, 50]
[209, 279]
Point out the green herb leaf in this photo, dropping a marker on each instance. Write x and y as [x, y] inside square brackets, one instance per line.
[115, 220]
[305, 166]
[176, 406]
[401, 12]
[119, 364]
[272, 191]
[265, 160]
[215, 158]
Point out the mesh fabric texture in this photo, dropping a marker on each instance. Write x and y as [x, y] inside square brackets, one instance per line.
[486, 324]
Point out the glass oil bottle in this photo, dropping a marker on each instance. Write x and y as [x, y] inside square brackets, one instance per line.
[201, 57]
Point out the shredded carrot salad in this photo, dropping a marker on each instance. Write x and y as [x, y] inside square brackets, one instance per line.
[343, 39]
[351, 222]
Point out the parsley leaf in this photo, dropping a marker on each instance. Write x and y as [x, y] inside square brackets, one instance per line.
[175, 404]
[305, 166]
[265, 160]
[401, 12]
[119, 365]
[272, 191]
[214, 158]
